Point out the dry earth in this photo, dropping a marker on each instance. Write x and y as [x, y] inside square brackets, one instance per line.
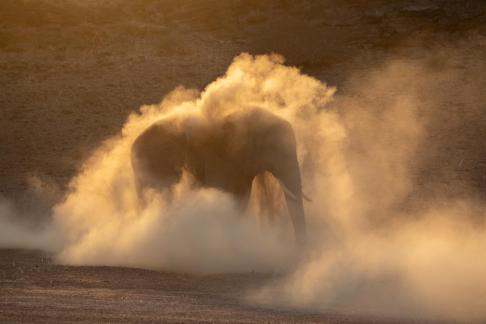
[71, 72]
[33, 289]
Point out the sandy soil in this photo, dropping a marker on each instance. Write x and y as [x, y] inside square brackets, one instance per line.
[34, 289]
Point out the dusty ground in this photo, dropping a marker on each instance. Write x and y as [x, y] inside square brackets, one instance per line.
[33, 289]
[70, 75]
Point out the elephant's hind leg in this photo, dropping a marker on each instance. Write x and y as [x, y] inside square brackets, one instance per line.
[146, 178]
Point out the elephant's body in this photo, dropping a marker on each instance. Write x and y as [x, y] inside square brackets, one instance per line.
[226, 154]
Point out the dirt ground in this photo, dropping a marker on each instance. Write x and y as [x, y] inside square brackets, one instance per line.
[34, 289]
[71, 73]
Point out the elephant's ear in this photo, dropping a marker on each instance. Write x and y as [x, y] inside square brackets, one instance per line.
[267, 197]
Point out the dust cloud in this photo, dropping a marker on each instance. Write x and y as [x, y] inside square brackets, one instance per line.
[380, 249]
[374, 247]
[15, 234]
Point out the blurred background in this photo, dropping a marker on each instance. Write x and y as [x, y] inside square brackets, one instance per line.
[71, 71]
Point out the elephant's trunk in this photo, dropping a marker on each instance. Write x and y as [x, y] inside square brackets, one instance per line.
[296, 211]
[288, 175]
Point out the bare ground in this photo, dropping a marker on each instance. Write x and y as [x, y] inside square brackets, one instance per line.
[34, 289]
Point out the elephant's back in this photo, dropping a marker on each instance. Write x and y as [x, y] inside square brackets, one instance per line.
[260, 126]
[159, 147]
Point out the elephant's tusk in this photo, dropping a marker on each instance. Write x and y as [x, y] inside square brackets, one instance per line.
[291, 194]
[287, 191]
[306, 197]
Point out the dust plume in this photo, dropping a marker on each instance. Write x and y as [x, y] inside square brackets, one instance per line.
[17, 234]
[379, 248]
[374, 247]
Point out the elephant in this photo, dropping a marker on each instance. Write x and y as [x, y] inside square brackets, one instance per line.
[226, 153]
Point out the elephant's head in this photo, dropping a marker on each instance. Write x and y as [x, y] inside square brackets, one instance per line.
[283, 164]
[274, 151]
